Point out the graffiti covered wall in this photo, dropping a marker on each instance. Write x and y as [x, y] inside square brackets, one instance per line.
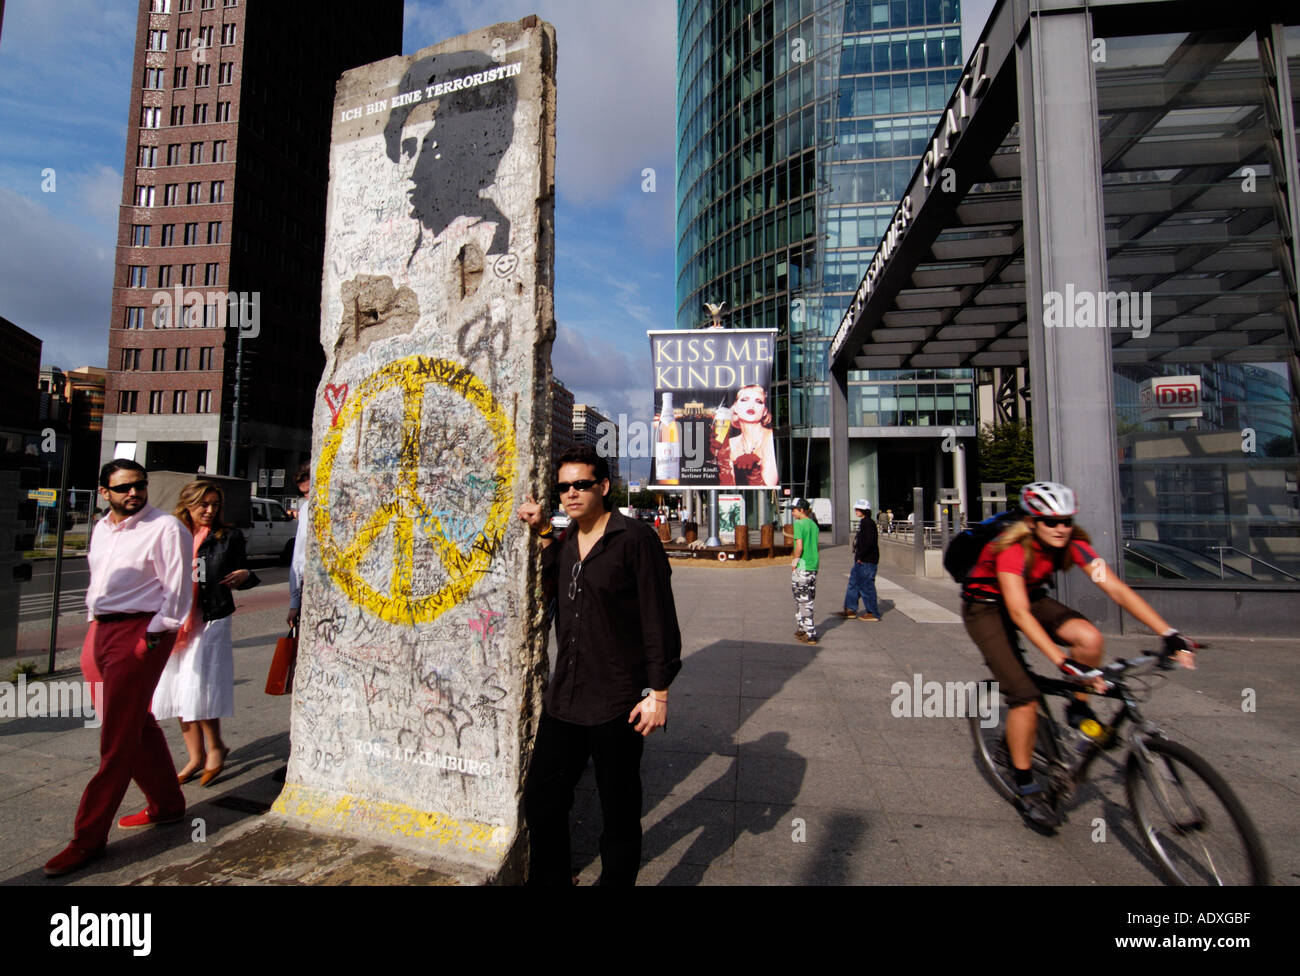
[420, 648]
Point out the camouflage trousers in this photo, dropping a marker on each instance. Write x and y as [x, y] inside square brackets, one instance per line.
[804, 585]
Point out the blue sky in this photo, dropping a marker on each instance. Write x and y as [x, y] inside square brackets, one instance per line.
[65, 70]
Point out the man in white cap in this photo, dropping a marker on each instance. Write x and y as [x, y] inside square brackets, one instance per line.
[862, 577]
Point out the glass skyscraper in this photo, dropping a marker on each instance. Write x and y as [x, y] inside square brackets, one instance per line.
[800, 123]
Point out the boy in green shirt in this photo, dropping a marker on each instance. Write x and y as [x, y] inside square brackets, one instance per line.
[803, 576]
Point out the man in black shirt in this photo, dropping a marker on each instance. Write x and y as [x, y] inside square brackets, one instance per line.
[619, 648]
[862, 577]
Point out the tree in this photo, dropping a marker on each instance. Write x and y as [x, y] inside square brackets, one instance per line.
[1006, 453]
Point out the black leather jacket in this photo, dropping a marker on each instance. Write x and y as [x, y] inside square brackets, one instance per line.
[220, 557]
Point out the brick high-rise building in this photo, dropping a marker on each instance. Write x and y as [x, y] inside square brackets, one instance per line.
[224, 196]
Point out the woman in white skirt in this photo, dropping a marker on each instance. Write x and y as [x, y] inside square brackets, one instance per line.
[198, 684]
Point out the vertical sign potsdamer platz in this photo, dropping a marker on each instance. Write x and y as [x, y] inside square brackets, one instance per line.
[420, 653]
[713, 420]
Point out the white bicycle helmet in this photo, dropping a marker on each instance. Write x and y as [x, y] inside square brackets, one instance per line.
[1048, 498]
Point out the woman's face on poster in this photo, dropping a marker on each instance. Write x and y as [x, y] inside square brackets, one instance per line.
[751, 404]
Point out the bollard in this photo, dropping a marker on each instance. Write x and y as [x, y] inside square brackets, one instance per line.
[918, 532]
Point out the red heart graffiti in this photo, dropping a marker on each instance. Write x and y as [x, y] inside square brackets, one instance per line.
[334, 398]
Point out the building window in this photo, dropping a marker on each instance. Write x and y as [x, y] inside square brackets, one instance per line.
[164, 275]
[130, 359]
[157, 40]
[204, 404]
[202, 76]
[219, 151]
[207, 4]
[205, 36]
[193, 193]
[223, 111]
[227, 33]
[159, 360]
[140, 235]
[205, 358]
[187, 274]
[218, 192]
[153, 78]
[179, 398]
[187, 6]
[126, 401]
[191, 234]
[200, 114]
[182, 42]
[196, 152]
[212, 274]
[160, 6]
[178, 114]
[148, 157]
[171, 194]
[226, 73]
[155, 401]
[211, 318]
[182, 359]
[134, 318]
[214, 232]
[231, 3]
[150, 117]
[180, 77]
[173, 154]
[144, 196]
[136, 276]
[168, 236]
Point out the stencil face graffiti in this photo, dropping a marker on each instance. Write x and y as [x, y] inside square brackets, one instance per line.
[412, 542]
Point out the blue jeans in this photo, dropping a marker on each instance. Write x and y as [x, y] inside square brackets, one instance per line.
[862, 583]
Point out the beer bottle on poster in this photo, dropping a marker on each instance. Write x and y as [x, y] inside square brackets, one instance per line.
[668, 445]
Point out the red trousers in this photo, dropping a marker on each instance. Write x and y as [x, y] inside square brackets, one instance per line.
[131, 745]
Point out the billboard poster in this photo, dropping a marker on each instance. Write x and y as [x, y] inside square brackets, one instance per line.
[731, 516]
[713, 423]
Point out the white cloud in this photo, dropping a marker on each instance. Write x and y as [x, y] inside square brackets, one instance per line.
[55, 282]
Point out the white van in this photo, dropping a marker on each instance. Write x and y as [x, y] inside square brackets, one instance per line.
[272, 530]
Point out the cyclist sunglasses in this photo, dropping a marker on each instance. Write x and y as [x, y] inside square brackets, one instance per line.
[1052, 523]
[585, 484]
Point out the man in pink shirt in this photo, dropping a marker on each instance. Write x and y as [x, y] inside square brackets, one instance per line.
[139, 594]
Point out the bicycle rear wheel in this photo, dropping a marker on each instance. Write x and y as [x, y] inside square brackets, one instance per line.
[1191, 820]
[991, 750]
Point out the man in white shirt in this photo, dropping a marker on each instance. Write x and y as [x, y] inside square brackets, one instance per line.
[139, 595]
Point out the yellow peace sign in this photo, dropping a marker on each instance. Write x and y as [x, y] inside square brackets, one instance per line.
[400, 605]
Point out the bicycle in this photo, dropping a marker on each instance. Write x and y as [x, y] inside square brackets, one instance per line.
[1190, 820]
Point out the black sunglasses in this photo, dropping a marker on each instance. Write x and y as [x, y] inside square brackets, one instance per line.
[1052, 523]
[585, 484]
[121, 489]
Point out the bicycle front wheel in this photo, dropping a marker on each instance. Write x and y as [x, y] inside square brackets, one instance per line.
[1191, 820]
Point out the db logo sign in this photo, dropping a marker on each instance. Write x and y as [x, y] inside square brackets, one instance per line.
[1179, 395]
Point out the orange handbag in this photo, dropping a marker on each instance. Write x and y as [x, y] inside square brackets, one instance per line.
[279, 680]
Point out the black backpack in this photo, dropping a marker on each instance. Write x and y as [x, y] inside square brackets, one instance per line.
[964, 550]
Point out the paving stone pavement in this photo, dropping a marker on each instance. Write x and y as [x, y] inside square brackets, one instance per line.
[783, 763]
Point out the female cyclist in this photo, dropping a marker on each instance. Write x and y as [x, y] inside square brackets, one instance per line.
[1007, 589]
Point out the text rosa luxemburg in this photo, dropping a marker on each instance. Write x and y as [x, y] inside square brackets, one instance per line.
[455, 764]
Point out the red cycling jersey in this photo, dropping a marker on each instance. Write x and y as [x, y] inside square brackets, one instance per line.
[984, 577]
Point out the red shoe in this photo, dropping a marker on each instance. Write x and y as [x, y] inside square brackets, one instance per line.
[71, 858]
[145, 819]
